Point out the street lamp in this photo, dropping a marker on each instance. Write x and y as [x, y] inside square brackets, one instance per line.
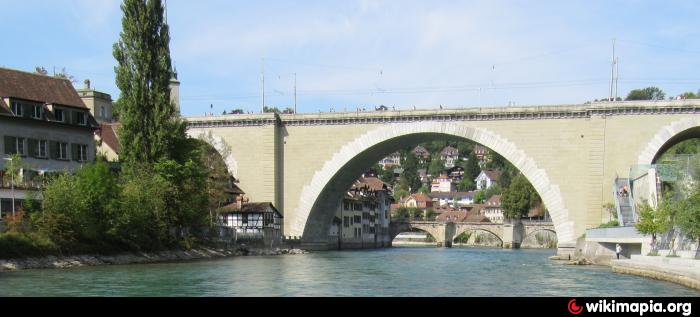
[12, 186]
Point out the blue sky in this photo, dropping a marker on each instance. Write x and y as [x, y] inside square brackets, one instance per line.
[362, 53]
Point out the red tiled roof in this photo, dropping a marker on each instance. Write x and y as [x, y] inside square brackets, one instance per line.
[421, 197]
[459, 195]
[494, 201]
[493, 175]
[449, 151]
[108, 134]
[250, 208]
[35, 87]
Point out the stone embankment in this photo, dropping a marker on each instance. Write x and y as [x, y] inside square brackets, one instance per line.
[71, 261]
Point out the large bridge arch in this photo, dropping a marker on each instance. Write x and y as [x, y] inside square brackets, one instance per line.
[668, 136]
[221, 146]
[314, 211]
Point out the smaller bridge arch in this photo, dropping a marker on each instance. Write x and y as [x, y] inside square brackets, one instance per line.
[493, 229]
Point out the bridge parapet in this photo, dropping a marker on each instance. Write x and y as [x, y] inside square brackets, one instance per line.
[459, 114]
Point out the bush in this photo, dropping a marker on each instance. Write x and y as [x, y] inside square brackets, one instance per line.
[611, 224]
[18, 245]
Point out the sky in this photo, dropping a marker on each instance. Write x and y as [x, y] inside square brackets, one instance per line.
[350, 54]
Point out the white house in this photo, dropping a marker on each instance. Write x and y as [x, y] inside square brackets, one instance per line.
[486, 179]
[454, 199]
[393, 159]
[492, 209]
[443, 184]
[449, 155]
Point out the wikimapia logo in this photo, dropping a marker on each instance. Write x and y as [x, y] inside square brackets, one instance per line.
[603, 306]
[573, 308]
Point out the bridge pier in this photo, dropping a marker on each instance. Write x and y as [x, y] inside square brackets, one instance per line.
[513, 235]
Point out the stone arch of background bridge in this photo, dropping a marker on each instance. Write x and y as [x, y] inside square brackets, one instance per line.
[496, 230]
[434, 229]
[317, 204]
[668, 136]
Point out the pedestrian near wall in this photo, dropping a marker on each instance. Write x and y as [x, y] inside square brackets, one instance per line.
[618, 250]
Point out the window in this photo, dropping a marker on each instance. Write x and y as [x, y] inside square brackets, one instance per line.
[36, 111]
[61, 151]
[82, 153]
[58, 114]
[38, 148]
[102, 111]
[80, 118]
[346, 222]
[14, 145]
[17, 109]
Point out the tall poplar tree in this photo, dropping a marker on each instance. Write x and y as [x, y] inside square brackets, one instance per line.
[150, 128]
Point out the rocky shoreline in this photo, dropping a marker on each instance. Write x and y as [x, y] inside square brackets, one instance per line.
[72, 261]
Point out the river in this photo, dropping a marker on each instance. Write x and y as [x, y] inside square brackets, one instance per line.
[385, 272]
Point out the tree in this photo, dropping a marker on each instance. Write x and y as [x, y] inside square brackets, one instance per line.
[689, 218]
[518, 199]
[466, 184]
[267, 109]
[409, 178]
[437, 166]
[649, 93]
[12, 169]
[150, 129]
[41, 71]
[472, 169]
[217, 171]
[651, 222]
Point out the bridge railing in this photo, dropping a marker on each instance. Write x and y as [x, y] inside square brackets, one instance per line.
[618, 209]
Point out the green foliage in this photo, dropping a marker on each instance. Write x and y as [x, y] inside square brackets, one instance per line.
[424, 189]
[466, 184]
[429, 238]
[150, 130]
[437, 166]
[400, 193]
[267, 109]
[649, 93]
[464, 237]
[610, 208]
[651, 222]
[519, 198]
[410, 179]
[144, 218]
[386, 175]
[20, 245]
[495, 189]
[610, 224]
[471, 167]
[480, 197]
[402, 213]
[429, 214]
[689, 216]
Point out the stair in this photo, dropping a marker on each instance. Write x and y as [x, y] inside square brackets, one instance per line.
[624, 203]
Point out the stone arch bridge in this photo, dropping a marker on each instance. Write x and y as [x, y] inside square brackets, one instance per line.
[303, 163]
[510, 235]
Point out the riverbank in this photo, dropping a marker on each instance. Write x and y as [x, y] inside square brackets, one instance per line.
[681, 271]
[72, 261]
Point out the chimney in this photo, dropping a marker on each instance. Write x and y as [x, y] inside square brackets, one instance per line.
[239, 202]
[87, 84]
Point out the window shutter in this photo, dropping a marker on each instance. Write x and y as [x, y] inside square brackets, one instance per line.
[53, 150]
[27, 111]
[74, 152]
[33, 144]
[10, 145]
